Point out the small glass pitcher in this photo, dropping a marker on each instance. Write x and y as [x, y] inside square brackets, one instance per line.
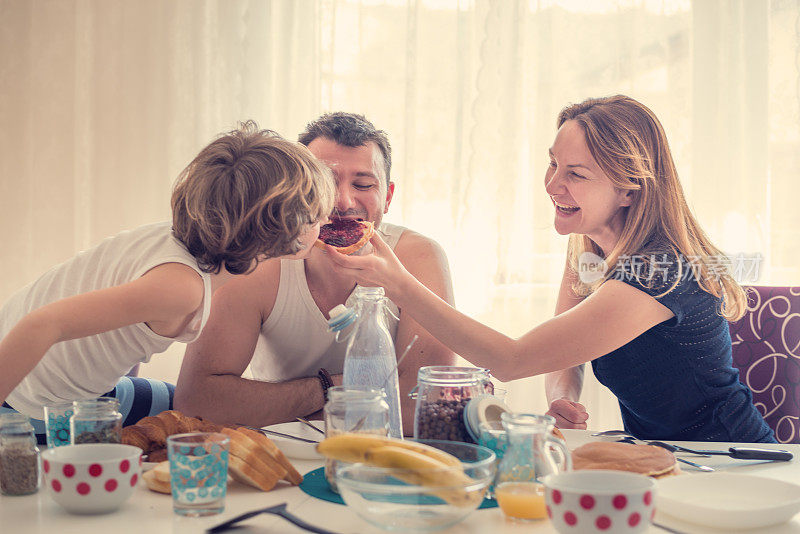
[533, 452]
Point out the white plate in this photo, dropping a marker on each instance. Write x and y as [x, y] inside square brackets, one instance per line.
[575, 438]
[728, 501]
[292, 448]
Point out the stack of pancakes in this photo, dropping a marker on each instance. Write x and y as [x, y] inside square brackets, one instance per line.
[647, 460]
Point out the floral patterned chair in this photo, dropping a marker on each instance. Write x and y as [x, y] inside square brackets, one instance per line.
[766, 350]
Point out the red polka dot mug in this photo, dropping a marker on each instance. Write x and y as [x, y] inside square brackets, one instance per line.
[91, 478]
[596, 501]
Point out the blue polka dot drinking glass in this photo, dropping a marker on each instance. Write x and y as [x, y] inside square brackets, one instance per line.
[492, 435]
[56, 423]
[198, 467]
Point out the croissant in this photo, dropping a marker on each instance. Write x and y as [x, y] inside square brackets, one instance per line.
[150, 433]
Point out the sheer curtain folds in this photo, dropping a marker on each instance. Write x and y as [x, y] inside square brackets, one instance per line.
[103, 102]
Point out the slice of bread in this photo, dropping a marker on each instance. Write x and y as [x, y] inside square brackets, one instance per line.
[247, 473]
[292, 475]
[154, 484]
[161, 471]
[250, 463]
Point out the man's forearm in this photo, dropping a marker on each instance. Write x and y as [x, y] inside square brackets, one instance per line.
[230, 399]
[564, 384]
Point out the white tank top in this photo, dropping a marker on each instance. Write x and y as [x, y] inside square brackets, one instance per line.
[294, 340]
[87, 367]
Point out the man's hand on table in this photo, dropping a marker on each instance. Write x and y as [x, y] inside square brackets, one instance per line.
[568, 414]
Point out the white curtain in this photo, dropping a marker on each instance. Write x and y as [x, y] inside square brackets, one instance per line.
[102, 102]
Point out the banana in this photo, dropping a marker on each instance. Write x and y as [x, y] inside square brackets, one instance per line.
[352, 447]
[419, 469]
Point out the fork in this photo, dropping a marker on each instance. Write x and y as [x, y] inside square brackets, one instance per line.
[281, 434]
[673, 448]
[611, 433]
[670, 448]
[308, 423]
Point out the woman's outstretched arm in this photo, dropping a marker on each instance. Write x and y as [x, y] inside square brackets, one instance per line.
[612, 316]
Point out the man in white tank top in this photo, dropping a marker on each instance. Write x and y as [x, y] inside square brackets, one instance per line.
[275, 320]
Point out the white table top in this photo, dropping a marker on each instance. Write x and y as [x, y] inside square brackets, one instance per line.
[149, 512]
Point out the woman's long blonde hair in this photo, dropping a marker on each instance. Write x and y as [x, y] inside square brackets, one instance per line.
[630, 146]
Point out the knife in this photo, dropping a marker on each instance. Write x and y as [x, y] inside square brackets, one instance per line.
[281, 434]
[748, 453]
[739, 453]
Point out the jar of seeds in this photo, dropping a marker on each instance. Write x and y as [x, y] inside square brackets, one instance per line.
[19, 456]
[442, 392]
[96, 421]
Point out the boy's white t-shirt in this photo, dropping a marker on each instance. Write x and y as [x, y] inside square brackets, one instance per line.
[87, 367]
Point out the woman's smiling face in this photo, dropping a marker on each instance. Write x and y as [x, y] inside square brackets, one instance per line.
[584, 198]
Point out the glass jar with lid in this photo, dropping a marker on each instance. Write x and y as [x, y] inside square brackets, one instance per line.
[96, 421]
[354, 409]
[19, 456]
[442, 392]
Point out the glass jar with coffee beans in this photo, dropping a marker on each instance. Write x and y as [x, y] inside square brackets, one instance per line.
[96, 421]
[19, 456]
[442, 392]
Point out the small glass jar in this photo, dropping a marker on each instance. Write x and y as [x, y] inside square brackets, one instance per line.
[354, 409]
[96, 421]
[442, 392]
[19, 456]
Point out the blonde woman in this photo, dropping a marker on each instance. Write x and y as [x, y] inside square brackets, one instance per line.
[652, 318]
[75, 332]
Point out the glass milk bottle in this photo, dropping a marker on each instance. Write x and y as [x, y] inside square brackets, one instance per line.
[370, 359]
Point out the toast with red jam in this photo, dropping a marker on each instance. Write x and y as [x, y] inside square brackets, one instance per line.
[345, 235]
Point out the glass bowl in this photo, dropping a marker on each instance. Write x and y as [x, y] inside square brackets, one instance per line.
[396, 499]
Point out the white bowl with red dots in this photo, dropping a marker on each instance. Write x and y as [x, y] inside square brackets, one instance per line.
[91, 478]
[592, 501]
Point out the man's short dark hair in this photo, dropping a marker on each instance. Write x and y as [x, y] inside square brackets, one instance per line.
[349, 129]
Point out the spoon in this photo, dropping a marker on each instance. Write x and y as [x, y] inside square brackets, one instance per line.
[279, 510]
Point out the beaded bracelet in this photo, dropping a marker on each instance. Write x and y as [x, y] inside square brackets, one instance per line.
[325, 381]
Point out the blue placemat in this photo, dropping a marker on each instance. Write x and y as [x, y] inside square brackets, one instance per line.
[314, 484]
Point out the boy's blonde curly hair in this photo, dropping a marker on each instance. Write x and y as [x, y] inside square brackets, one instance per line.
[249, 195]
